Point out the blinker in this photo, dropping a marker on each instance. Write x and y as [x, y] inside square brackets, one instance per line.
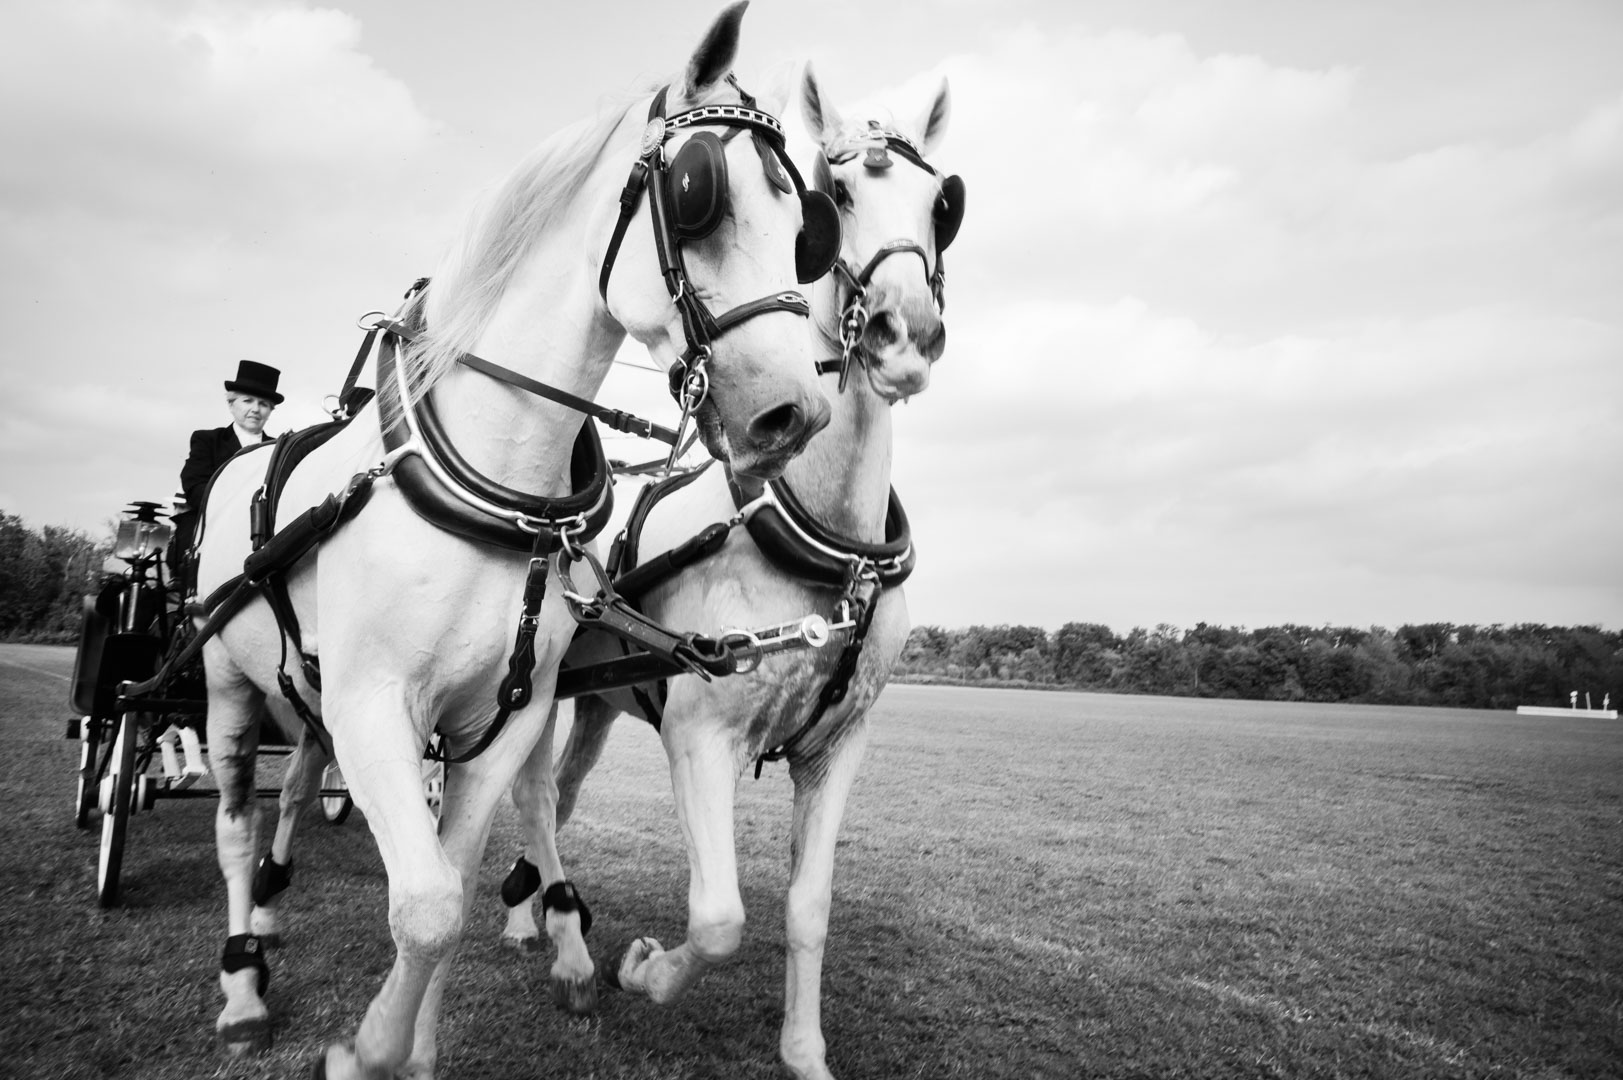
[697, 186]
[818, 243]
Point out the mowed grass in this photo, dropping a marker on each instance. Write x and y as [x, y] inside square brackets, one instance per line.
[1029, 885]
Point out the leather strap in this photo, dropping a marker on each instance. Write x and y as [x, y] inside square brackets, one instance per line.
[617, 419]
[271, 879]
[792, 539]
[498, 521]
[246, 951]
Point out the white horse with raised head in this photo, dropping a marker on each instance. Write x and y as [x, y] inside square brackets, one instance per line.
[828, 538]
[435, 591]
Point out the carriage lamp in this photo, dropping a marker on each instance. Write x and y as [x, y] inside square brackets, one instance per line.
[141, 535]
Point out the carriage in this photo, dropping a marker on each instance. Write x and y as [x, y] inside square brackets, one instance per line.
[135, 703]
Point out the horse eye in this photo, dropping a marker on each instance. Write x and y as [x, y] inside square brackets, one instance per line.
[842, 194]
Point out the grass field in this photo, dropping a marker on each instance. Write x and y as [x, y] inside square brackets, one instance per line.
[1030, 885]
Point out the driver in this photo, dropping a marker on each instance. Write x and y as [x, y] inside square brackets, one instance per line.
[250, 396]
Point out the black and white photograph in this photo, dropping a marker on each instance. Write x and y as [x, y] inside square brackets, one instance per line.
[1071, 540]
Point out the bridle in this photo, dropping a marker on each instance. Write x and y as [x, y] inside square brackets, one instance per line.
[687, 201]
[946, 217]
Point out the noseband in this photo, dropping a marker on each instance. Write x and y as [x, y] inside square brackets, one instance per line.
[687, 201]
[946, 217]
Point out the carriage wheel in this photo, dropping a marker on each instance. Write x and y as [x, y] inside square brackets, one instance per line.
[89, 743]
[335, 801]
[116, 806]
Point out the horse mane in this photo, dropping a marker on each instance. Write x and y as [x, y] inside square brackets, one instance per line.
[504, 228]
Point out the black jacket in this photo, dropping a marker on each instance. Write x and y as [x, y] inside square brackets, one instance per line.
[211, 448]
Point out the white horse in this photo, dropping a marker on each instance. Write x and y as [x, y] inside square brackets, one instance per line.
[897, 213]
[413, 623]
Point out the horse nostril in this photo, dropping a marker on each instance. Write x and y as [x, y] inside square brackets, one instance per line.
[884, 329]
[931, 340]
[777, 426]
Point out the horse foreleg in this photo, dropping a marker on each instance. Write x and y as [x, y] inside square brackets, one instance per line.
[535, 794]
[704, 772]
[299, 787]
[382, 762]
[529, 792]
[243, 1026]
[821, 787]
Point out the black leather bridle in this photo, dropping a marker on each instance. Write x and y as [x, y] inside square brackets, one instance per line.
[946, 218]
[816, 248]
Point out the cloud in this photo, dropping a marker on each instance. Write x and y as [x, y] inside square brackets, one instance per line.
[1472, 446]
[135, 107]
[179, 178]
[1230, 338]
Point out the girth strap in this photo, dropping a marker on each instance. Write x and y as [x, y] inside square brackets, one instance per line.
[515, 689]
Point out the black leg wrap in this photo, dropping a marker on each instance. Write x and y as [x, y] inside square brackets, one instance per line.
[521, 883]
[563, 897]
[270, 879]
[244, 951]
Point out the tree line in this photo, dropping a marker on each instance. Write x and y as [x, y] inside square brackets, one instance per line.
[1479, 667]
[45, 574]
[44, 578]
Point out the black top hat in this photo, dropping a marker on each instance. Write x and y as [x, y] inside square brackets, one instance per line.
[257, 380]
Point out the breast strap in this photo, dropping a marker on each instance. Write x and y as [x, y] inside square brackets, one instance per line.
[444, 489]
[796, 543]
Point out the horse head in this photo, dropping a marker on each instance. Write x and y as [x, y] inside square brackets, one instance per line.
[735, 231]
[897, 215]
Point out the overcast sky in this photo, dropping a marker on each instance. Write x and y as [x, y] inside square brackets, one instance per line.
[1262, 311]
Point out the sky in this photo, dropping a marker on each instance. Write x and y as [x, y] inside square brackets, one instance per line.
[1262, 312]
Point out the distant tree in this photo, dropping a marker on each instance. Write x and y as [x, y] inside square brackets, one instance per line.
[1082, 653]
[1424, 641]
[926, 651]
[43, 578]
[1155, 662]
[25, 577]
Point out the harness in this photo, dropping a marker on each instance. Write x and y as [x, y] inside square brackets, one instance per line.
[688, 201]
[783, 530]
[946, 218]
[792, 540]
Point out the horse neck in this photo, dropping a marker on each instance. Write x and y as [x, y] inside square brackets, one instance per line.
[549, 327]
[843, 476]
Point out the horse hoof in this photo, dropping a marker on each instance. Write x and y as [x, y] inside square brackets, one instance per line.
[637, 954]
[246, 1038]
[577, 997]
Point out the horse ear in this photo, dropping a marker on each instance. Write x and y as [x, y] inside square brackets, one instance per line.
[820, 116]
[713, 59]
[933, 125]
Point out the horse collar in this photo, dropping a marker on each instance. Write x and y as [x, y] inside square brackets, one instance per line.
[443, 488]
[794, 541]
